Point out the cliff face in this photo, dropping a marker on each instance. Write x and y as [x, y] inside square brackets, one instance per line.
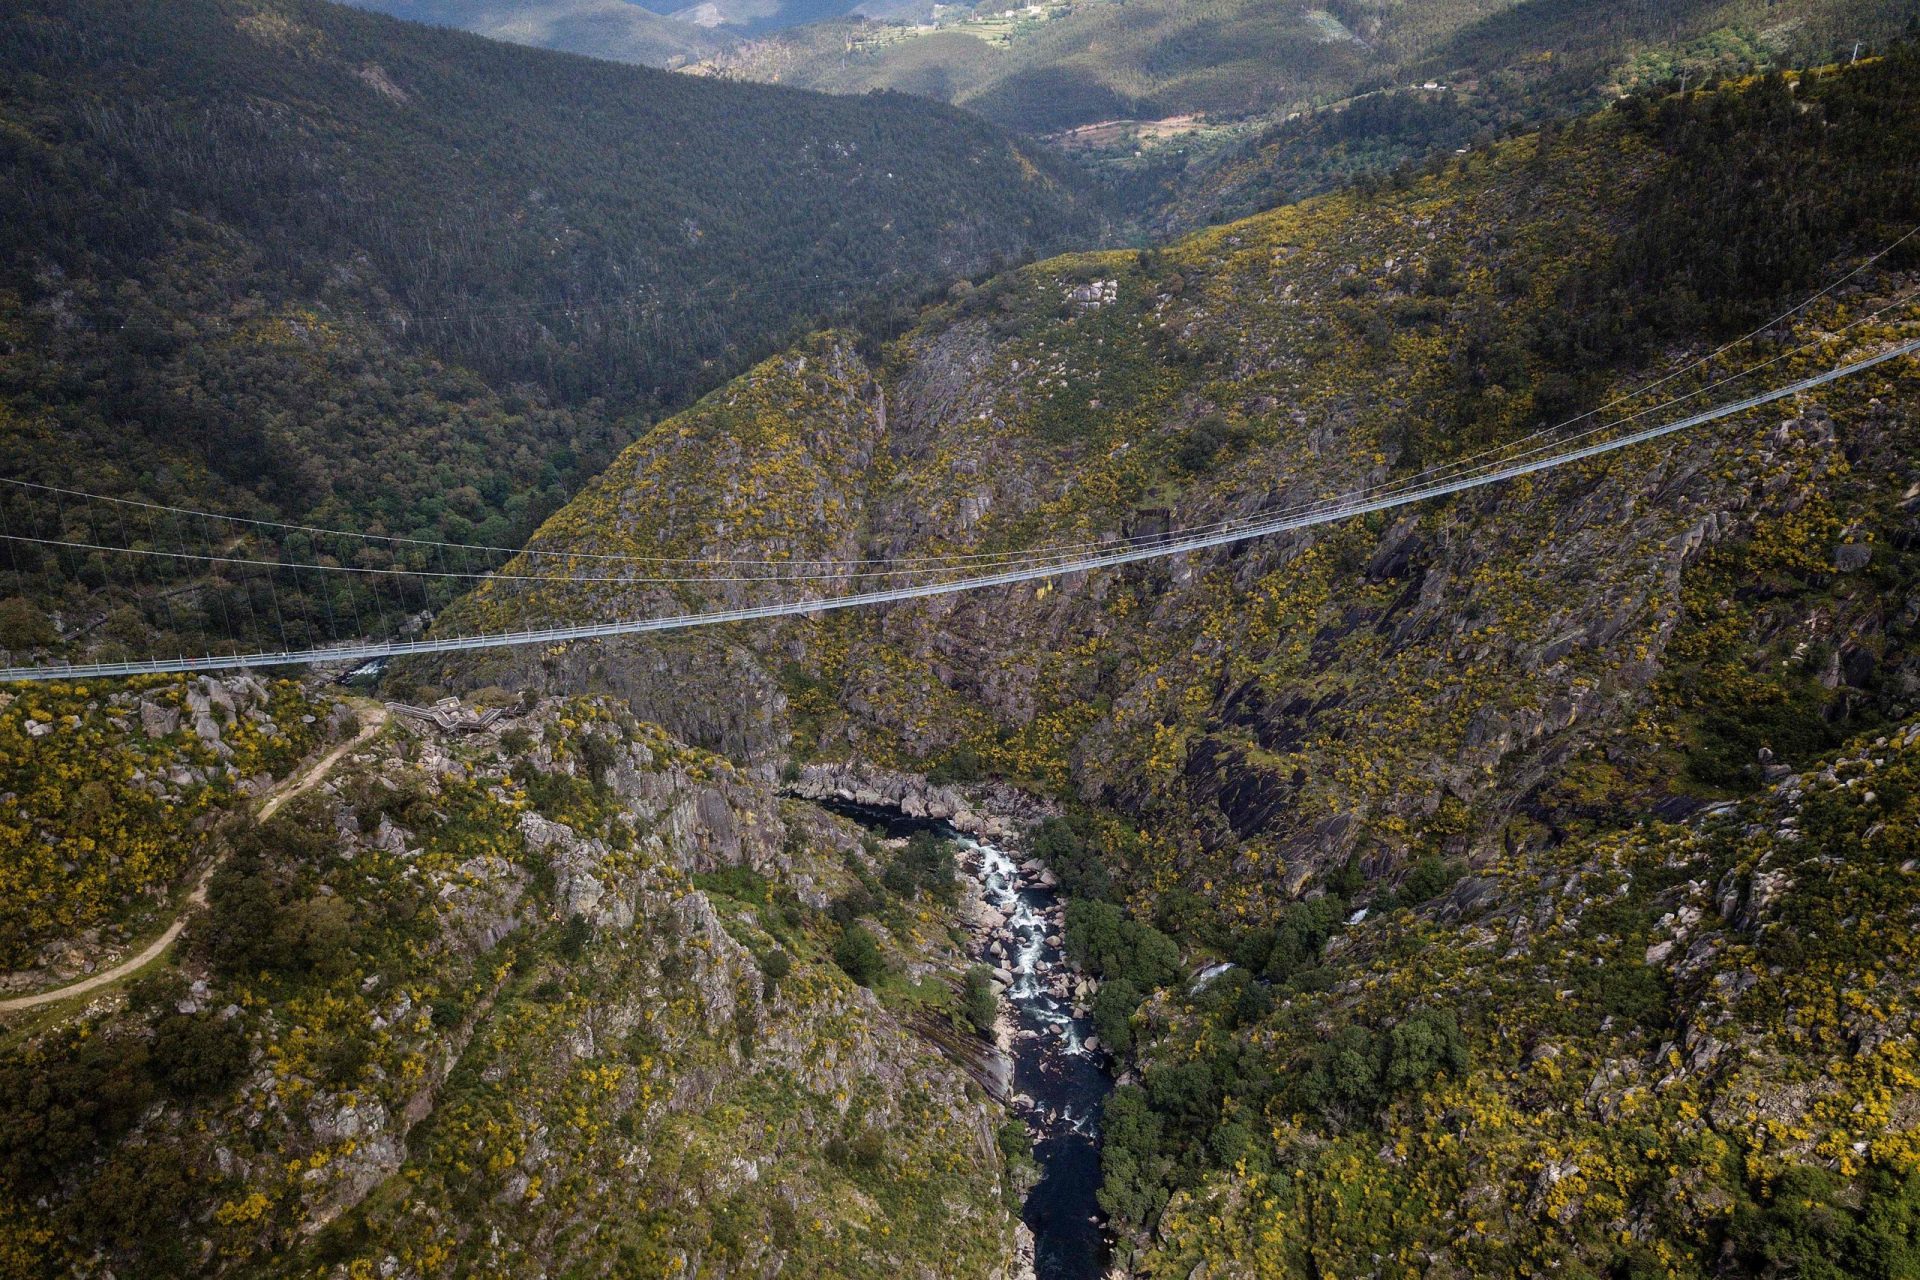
[546, 997]
[1403, 774]
[1691, 1053]
[1469, 676]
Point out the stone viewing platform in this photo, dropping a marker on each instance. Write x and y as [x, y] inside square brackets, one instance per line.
[450, 715]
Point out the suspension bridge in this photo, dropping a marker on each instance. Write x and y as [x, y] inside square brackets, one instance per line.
[354, 576]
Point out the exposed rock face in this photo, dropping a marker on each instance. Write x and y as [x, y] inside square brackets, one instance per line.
[993, 811]
[1350, 691]
[568, 1001]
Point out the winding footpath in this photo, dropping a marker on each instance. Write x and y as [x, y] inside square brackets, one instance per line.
[373, 718]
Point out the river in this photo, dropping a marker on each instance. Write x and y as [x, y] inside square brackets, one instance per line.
[1057, 1084]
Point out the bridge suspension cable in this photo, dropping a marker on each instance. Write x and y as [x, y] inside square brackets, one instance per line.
[823, 570]
[1174, 543]
[832, 569]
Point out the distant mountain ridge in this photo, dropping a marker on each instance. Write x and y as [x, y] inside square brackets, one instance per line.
[616, 29]
[1084, 61]
[658, 34]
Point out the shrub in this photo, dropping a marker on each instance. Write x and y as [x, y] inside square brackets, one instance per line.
[743, 884]
[851, 905]
[1628, 991]
[774, 968]
[925, 865]
[1297, 939]
[198, 1053]
[23, 627]
[1205, 441]
[1068, 847]
[858, 954]
[977, 1001]
[1809, 1227]
[1015, 1142]
[962, 764]
[62, 1100]
[1426, 879]
[1113, 1008]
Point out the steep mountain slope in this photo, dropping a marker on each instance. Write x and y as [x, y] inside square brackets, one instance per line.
[295, 260]
[1498, 687]
[1673, 1050]
[551, 998]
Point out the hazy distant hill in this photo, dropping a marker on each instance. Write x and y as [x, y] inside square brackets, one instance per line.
[662, 33]
[1087, 60]
[616, 29]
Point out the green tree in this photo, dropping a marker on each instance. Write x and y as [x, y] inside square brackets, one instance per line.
[1421, 1046]
[198, 1053]
[1101, 938]
[1113, 1009]
[858, 954]
[1136, 1170]
[925, 865]
[978, 1002]
[23, 626]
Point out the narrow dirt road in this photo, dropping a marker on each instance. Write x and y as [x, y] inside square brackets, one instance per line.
[372, 719]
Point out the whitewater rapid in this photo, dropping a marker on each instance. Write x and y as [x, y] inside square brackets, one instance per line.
[1058, 1081]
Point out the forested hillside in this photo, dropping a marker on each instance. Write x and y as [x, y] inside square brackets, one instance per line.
[1527, 64]
[1514, 985]
[294, 260]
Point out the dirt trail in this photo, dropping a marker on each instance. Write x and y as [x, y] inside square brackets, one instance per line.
[372, 720]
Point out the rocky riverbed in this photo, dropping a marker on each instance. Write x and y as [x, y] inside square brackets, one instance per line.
[1047, 1062]
[1057, 1080]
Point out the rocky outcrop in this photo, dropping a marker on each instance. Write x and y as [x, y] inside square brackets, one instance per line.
[563, 1018]
[992, 811]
